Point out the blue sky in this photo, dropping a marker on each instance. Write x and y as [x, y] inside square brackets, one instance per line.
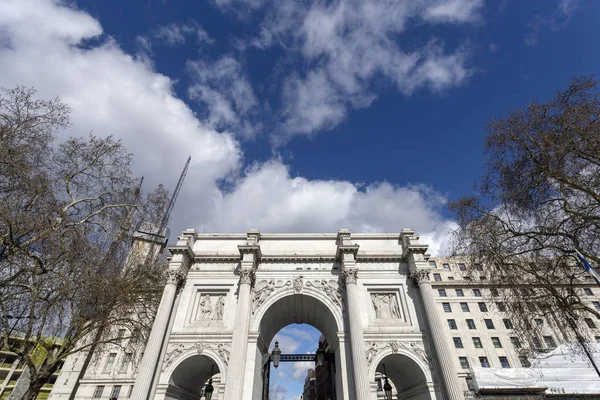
[300, 115]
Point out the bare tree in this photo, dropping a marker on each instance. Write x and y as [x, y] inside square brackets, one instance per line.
[67, 215]
[537, 202]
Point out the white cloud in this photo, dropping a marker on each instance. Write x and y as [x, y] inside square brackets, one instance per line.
[555, 20]
[287, 344]
[347, 45]
[301, 369]
[225, 91]
[113, 92]
[176, 34]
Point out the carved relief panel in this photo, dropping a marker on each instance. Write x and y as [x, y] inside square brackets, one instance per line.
[207, 305]
[388, 305]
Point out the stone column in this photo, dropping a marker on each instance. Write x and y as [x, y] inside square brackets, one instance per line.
[419, 272]
[176, 275]
[250, 254]
[148, 365]
[346, 252]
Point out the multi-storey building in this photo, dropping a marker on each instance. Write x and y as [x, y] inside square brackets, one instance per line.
[386, 308]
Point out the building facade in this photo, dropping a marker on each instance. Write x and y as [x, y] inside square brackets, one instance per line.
[378, 299]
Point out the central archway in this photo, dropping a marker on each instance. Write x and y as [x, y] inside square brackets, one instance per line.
[310, 307]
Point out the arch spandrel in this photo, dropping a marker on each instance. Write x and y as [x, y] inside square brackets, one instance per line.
[402, 352]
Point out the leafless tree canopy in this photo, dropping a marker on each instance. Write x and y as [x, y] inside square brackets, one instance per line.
[67, 214]
[537, 202]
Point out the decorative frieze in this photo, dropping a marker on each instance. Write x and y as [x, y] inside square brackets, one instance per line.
[416, 348]
[330, 288]
[264, 289]
[176, 349]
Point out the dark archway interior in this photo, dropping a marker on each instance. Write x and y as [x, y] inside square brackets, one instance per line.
[403, 372]
[193, 373]
[298, 309]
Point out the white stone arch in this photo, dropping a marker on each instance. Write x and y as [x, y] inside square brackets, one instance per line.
[427, 390]
[335, 310]
[165, 376]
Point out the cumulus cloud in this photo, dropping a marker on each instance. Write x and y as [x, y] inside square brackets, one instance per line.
[63, 52]
[347, 45]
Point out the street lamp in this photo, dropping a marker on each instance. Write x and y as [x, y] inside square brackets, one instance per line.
[387, 388]
[208, 391]
[276, 355]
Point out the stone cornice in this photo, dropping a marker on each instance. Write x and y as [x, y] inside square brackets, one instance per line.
[250, 249]
[184, 250]
[291, 258]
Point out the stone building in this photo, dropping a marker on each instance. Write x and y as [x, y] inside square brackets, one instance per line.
[378, 299]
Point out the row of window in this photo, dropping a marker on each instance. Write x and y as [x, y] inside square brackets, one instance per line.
[114, 394]
[461, 266]
[548, 340]
[110, 363]
[464, 362]
[465, 307]
[438, 278]
[459, 292]
[488, 323]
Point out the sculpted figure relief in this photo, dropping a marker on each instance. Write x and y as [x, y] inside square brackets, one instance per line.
[385, 305]
[264, 289]
[206, 308]
[331, 289]
[219, 308]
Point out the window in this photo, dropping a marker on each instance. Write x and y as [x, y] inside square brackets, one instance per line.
[446, 267]
[494, 292]
[588, 291]
[129, 392]
[432, 264]
[597, 339]
[125, 362]
[464, 307]
[460, 293]
[504, 362]
[450, 278]
[590, 323]
[447, 307]
[482, 277]
[462, 267]
[484, 362]
[120, 335]
[477, 292]
[478, 267]
[524, 362]
[110, 361]
[452, 324]
[515, 342]
[596, 305]
[536, 343]
[442, 292]
[489, 323]
[116, 390]
[471, 324]
[437, 277]
[539, 321]
[531, 307]
[501, 306]
[98, 391]
[549, 342]
[496, 342]
[477, 343]
[507, 323]
[467, 278]
[464, 363]
[457, 342]
[482, 307]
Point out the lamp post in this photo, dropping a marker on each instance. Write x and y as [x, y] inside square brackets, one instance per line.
[387, 388]
[208, 391]
[276, 355]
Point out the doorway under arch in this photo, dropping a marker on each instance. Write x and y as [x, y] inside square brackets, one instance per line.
[409, 380]
[309, 307]
[190, 377]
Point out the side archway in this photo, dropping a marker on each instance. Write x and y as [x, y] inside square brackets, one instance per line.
[408, 373]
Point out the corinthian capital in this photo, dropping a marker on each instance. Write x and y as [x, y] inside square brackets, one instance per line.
[176, 276]
[419, 276]
[247, 276]
[350, 275]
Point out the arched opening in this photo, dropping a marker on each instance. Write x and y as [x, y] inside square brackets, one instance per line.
[290, 309]
[190, 378]
[407, 378]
